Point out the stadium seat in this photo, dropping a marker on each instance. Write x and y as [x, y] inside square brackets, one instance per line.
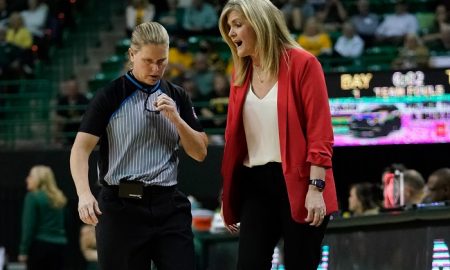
[122, 46]
[100, 80]
[114, 63]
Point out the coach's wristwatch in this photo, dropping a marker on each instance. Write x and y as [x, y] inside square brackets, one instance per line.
[318, 183]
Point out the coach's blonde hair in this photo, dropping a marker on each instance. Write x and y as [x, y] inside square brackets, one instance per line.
[47, 184]
[272, 35]
[148, 33]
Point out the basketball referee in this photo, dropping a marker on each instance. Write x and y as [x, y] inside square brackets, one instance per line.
[140, 120]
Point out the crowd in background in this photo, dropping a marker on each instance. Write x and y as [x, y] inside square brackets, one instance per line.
[371, 198]
[335, 29]
[28, 30]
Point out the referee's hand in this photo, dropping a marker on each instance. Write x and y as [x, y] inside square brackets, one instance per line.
[167, 107]
[88, 209]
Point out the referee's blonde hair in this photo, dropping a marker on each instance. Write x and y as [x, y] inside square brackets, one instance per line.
[148, 33]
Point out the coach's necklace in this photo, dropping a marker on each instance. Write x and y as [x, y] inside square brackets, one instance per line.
[257, 74]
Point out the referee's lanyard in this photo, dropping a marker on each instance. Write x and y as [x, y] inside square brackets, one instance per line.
[148, 106]
[140, 87]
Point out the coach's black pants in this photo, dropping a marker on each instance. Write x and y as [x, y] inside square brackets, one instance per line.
[266, 218]
[131, 233]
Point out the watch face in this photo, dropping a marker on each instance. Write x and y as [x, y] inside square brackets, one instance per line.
[318, 183]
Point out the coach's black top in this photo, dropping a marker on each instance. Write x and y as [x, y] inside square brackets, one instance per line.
[137, 143]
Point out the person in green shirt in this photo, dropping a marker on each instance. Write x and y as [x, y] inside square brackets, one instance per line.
[43, 235]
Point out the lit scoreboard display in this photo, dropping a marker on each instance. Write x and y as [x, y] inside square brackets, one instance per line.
[397, 107]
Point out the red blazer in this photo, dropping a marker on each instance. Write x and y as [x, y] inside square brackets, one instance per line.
[305, 132]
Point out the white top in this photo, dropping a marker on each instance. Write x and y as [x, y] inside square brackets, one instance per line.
[131, 13]
[35, 20]
[349, 47]
[261, 128]
[398, 25]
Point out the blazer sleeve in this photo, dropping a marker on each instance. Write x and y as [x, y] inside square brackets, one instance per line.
[316, 109]
[231, 105]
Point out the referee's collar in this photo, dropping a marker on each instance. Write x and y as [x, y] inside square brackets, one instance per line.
[142, 86]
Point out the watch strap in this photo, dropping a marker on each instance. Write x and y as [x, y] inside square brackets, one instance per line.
[319, 183]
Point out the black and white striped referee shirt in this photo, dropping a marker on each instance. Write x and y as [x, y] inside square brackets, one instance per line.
[135, 143]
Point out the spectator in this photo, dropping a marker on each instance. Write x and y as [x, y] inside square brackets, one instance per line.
[35, 19]
[172, 18]
[438, 38]
[200, 18]
[43, 234]
[4, 13]
[396, 26]
[218, 106]
[314, 39]
[438, 186]
[390, 194]
[441, 15]
[413, 54]
[414, 187]
[441, 19]
[137, 12]
[9, 67]
[443, 44]
[391, 169]
[349, 44]
[191, 89]
[71, 106]
[17, 33]
[296, 12]
[365, 22]
[332, 15]
[9, 58]
[217, 100]
[215, 62]
[88, 246]
[180, 58]
[365, 199]
[202, 75]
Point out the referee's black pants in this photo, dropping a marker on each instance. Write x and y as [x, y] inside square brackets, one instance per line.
[131, 233]
[266, 218]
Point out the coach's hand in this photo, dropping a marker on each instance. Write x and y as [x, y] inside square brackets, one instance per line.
[232, 228]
